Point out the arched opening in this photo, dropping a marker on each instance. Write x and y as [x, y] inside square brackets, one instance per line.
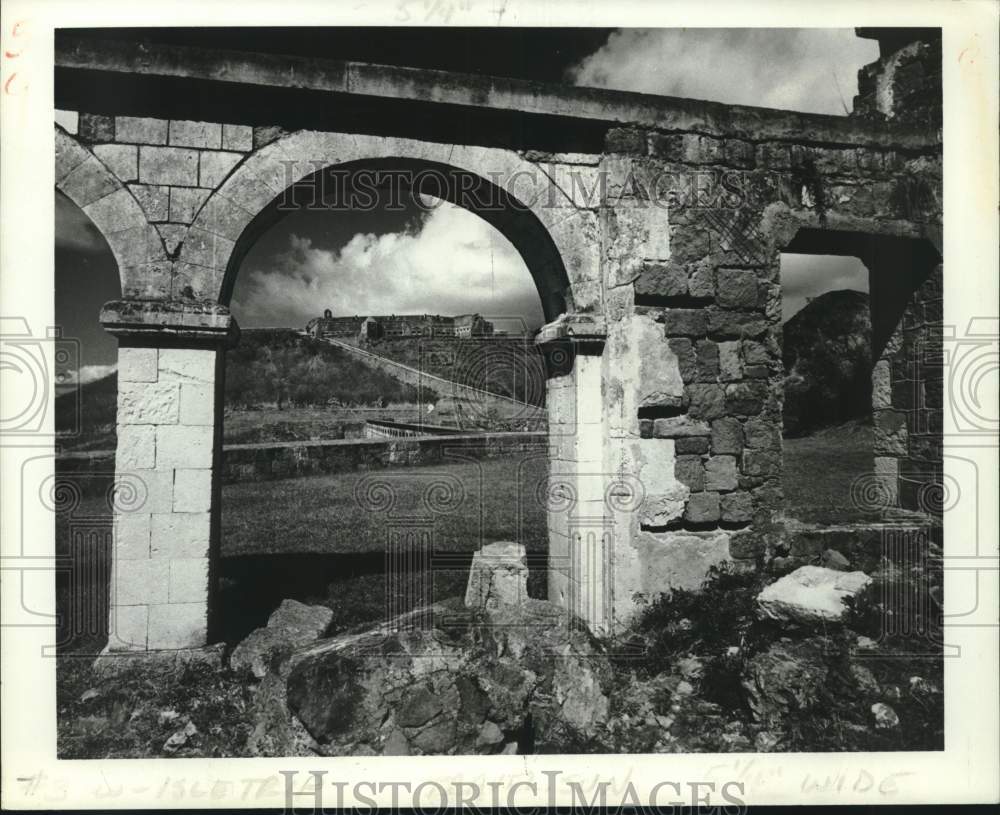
[859, 315]
[86, 385]
[388, 312]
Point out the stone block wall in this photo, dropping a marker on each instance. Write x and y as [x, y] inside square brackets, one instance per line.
[164, 500]
[908, 394]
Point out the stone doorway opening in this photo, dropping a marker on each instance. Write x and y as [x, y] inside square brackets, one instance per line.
[862, 453]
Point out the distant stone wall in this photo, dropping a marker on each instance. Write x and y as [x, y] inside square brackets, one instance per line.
[476, 404]
[92, 473]
[264, 462]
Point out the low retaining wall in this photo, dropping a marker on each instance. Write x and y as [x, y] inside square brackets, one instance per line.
[262, 462]
[93, 472]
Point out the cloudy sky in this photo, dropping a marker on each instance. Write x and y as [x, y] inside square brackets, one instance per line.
[448, 260]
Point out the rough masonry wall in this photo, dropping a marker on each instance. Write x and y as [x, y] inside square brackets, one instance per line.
[692, 228]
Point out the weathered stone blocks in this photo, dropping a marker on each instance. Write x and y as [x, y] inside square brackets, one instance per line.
[154, 200]
[237, 137]
[192, 490]
[184, 446]
[890, 433]
[702, 508]
[188, 580]
[137, 582]
[678, 560]
[185, 203]
[177, 625]
[706, 401]
[93, 127]
[659, 382]
[690, 471]
[132, 532]
[213, 167]
[811, 595]
[184, 133]
[736, 507]
[121, 159]
[685, 322]
[168, 165]
[136, 447]
[136, 364]
[727, 436]
[154, 403]
[720, 473]
[140, 130]
[498, 576]
[661, 281]
[127, 628]
[730, 366]
[736, 288]
[179, 534]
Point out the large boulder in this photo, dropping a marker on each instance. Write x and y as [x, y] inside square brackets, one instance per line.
[811, 595]
[292, 624]
[512, 679]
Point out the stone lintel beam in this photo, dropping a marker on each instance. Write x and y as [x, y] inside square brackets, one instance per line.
[170, 322]
[517, 96]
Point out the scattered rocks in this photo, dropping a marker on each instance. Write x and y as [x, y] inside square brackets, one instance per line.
[489, 735]
[167, 716]
[885, 717]
[920, 686]
[766, 742]
[785, 679]
[811, 595]
[865, 680]
[292, 624]
[499, 576]
[91, 693]
[832, 559]
[180, 738]
[866, 644]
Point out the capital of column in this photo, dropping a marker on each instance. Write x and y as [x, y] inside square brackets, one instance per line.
[586, 332]
[170, 322]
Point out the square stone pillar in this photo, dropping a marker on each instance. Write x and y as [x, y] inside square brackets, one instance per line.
[579, 527]
[170, 360]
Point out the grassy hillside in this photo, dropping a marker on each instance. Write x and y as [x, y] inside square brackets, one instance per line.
[508, 367]
[827, 357]
[282, 368]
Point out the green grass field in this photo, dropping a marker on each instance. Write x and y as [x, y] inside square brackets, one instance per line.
[819, 470]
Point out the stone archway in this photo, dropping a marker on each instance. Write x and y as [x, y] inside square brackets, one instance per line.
[176, 348]
[204, 268]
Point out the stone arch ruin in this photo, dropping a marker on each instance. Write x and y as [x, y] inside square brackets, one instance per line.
[655, 226]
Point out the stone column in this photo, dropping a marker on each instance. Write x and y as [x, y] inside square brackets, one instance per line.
[170, 362]
[579, 573]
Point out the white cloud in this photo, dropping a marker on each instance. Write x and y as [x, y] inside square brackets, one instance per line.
[457, 263]
[86, 374]
[804, 277]
[812, 70]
